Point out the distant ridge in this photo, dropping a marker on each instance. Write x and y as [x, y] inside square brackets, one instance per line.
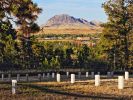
[65, 23]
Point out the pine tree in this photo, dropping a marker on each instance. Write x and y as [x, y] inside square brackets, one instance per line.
[23, 14]
[55, 64]
[46, 64]
[118, 31]
[83, 56]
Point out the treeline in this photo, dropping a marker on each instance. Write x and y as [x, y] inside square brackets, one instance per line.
[19, 50]
[70, 36]
[47, 55]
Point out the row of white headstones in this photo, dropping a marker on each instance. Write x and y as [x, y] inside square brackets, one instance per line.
[109, 74]
[58, 77]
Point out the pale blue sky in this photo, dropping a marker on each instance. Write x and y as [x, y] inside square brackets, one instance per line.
[87, 9]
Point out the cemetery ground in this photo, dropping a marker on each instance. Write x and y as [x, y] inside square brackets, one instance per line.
[83, 89]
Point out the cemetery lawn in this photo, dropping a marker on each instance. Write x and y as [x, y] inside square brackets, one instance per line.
[81, 90]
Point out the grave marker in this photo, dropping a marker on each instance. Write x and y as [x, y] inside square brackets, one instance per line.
[27, 77]
[79, 74]
[18, 77]
[39, 77]
[9, 77]
[108, 74]
[53, 75]
[98, 73]
[58, 77]
[48, 75]
[43, 75]
[72, 78]
[92, 74]
[112, 73]
[14, 82]
[97, 80]
[126, 75]
[87, 74]
[67, 73]
[120, 82]
[2, 77]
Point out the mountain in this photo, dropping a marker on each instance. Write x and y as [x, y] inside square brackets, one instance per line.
[68, 24]
[95, 23]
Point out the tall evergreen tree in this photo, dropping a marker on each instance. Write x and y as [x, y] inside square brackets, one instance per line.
[83, 56]
[22, 13]
[118, 31]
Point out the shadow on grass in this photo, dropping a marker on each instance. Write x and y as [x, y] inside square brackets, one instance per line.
[126, 87]
[94, 96]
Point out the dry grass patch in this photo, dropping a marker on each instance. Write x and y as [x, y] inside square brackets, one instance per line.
[81, 90]
[107, 88]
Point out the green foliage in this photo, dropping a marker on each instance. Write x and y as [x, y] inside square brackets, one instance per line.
[118, 32]
[55, 64]
[16, 51]
[46, 64]
[83, 56]
[23, 51]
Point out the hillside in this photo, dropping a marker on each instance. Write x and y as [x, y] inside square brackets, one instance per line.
[62, 24]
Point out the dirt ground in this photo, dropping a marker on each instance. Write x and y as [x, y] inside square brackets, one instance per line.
[81, 90]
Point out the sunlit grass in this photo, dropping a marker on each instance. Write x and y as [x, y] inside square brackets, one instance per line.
[66, 90]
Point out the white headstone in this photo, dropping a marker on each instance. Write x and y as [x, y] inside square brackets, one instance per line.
[97, 80]
[79, 74]
[2, 77]
[67, 73]
[112, 73]
[87, 74]
[58, 77]
[126, 75]
[92, 74]
[48, 75]
[9, 77]
[72, 78]
[120, 82]
[108, 74]
[39, 77]
[14, 82]
[98, 73]
[43, 75]
[18, 77]
[53, 75]
[27, 77]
